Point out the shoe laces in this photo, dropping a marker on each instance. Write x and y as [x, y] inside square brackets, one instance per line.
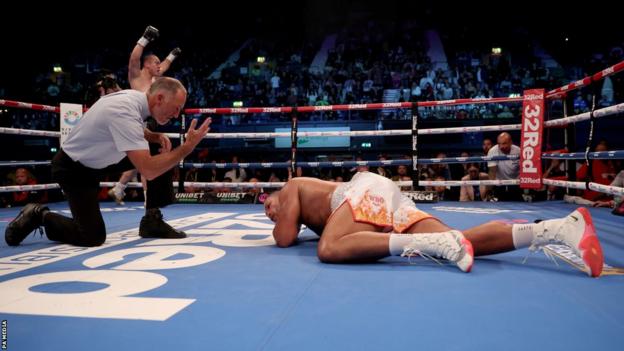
[438, 247]
[541, 241]
[411, 252]
[546, 238]
[542, 247]
[538, 245]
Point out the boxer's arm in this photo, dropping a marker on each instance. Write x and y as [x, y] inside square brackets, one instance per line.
[134, 66]
[164, 66]
[287, 225]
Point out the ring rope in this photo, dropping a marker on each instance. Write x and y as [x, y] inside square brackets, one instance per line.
[561, 91]
[600, 155]
[23, 163]
[603, 155]
[607, 189]
[555, 93]
[375, 163]
[603, 112]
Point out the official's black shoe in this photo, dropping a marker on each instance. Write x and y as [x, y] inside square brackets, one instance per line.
[29, 219]
[153, 226]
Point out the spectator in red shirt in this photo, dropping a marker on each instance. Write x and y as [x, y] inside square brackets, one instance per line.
[603, 172]
[20, 198]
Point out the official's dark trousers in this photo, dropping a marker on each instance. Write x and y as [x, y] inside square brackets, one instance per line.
[81, 187]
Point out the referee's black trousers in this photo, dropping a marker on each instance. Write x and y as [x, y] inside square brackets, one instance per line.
[81, 187]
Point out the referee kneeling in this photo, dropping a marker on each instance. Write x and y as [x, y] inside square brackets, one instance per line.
[109, 139]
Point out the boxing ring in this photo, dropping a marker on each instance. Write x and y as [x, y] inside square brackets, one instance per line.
[228, 287]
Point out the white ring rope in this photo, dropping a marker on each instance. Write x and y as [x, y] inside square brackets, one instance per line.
[597, 155]
[29, 132]
[560, 183]
[23, 163]
[13, 188]
[466, 182]
[603, 112]
[603, 155]
[606, 189]
[349, 164]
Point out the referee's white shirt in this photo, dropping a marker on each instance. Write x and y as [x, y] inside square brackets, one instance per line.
[505, 169]
[112, 126]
